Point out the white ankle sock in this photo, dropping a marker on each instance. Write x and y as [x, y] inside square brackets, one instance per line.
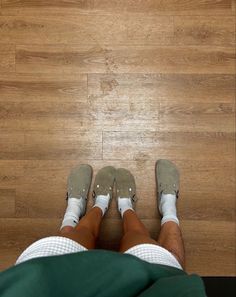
[124, 204]
[102, 201]
[73, 212]
[167, 207]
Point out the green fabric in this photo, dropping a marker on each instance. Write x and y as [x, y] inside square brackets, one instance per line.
[97, 273]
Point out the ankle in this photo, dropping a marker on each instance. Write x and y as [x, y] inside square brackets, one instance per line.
[167, 208]
[124, 204]
[66, 229]
[102, 202]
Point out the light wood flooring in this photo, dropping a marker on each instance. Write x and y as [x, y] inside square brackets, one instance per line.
[123, 83]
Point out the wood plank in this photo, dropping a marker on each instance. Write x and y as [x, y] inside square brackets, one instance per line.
[191, 205]
[167, 6]
[7, 58]
[13, 126]
[88, 29]
[11, 174]
[118, 102]
[180, 88]
[11, 148]
[152, 115]
[63, 30]
[53, 178]
[233, 7]
[180, 145]
[149, 29]
[46, 117]
[10, 120]
[202, 240]
[22, 87]
[55, 118]
[124, 116]
[211, 30]
[7, 200]
[139, 59]
[118, 29]
[62, 145]
[65, 109]
[164, 102]
[200, 117]
[44, 3]
[34, 109]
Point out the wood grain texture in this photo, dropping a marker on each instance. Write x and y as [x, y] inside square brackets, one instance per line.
[118, 29]
[142, 59]
[181, 88]
[7, 58]
[63, 145]
[199, 116]
[204, 30]
[44, 3]
[11, 173]
[11, 147]
[8, 197]
[48, 88]
[180, 145]
[88, 29]
[119, 83]
[168, 7]
[213, 240]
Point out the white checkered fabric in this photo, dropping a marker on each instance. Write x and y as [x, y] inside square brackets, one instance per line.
[154, 254]
[50, 246]
[58, 245]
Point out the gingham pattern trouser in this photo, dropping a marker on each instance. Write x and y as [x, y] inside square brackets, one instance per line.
[58, 245]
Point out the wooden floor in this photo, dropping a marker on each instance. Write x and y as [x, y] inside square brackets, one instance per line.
[125, 83]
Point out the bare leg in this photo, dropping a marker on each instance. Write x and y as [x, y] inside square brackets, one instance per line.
[134, 232]
[87, 230]
[171, 239]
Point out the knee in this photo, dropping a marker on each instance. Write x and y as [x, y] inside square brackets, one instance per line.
[178, 255]
[86, 230]
[136, 237]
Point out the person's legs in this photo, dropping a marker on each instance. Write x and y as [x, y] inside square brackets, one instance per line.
[134, 232]
[170, 238]
[167, 179]
[87, 230]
